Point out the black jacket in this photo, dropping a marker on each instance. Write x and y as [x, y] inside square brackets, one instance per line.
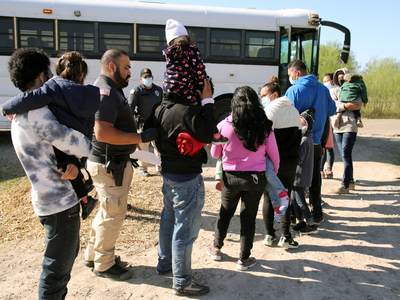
[174, 116]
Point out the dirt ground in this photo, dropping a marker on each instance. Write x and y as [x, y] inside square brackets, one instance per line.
[355, 254]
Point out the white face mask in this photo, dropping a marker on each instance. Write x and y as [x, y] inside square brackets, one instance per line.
[328, 84]
[291, 80]
[147, 81]
[265, 101]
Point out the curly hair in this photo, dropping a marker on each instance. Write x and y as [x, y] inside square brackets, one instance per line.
[25, 65]
[249, 120]
[71, 66]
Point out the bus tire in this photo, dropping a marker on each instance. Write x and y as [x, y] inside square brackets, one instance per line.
[222, 109]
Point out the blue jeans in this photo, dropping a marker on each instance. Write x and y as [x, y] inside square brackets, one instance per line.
[345, 142]
[179, 227]
[274, 186]
[300, 205]
[62, 246]
[247, 187]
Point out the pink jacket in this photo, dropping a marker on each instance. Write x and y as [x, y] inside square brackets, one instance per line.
[236, 158]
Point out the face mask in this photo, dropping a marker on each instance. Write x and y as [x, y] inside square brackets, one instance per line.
[147, 81]
[328, 84]
[341, 81]
[291, 80]
[265, 101]
[304, 127]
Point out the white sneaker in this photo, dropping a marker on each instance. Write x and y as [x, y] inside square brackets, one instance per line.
[269, 239]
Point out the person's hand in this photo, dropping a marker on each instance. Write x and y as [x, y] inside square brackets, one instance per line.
[149, 135]
[206, 90]
[70, 173]
[10, 117]
[219, 185]
[323, 151]
[352, 106]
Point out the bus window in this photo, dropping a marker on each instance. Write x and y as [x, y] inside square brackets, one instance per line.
[76, 36]
[36, 33]
[151, 39]
[225, 42]
[199, 38]
[6, 33]
[260, 44]
[115, 36]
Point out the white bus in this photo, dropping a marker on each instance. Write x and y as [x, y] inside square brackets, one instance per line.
[238, 46]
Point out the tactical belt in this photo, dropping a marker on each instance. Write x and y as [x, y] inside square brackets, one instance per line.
[102, 159]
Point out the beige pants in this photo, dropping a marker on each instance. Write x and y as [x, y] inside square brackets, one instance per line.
[109, 218]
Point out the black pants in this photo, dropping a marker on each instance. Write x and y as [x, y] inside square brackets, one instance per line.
[286, 174]
[248, 187]
[315, 188]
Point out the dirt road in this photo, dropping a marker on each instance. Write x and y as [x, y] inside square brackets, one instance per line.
[355, 255]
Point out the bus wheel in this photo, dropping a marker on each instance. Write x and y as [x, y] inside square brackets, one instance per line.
[222, 109]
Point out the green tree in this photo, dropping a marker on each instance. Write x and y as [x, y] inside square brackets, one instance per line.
[329, 59]
[382, 77]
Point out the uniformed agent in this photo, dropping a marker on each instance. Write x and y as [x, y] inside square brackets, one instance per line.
[142, 99]
[115, 138]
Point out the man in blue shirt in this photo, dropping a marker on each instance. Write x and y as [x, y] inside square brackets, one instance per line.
[306, 92]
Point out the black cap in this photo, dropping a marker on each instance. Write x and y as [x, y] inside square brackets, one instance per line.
[145, 72]
[309, 116]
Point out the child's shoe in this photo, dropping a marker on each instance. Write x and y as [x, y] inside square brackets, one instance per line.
[214, 253]
[219, 139]
[88, 207]
[244, 264]
[360, 124]
[328, 174]
[299, 226]
[269, 239]
[288, 242]
[323, 175]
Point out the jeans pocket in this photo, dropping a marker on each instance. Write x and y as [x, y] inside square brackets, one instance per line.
[50, 225]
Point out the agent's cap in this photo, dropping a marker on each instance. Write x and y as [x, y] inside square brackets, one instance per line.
[173, 29]
[145, 72]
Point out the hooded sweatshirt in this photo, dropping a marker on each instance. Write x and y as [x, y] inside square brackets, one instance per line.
[307, 92]
[74, 105]
[286, 125]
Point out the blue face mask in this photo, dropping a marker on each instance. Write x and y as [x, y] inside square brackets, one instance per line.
[147, 81]
[265, 101]
[328, 84]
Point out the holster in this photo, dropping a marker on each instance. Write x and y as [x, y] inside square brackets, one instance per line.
[117, 170]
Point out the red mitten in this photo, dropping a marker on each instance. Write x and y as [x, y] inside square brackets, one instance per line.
[188, 145]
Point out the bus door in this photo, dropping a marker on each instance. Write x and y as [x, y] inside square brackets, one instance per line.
[298, 43]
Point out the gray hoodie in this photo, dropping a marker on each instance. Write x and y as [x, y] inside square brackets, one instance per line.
[347, 122]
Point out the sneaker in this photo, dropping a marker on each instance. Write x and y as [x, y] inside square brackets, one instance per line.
[336, 122]
[328, 174]
[299, 226]
[318, 220]
[219, 139]
[360, 124]
[144, 173]
[214, 253]
[288, 242]
[164, 272]
[88, 207]
[193, 289]
[116, 272]
[339, 190]
[90, 263]
[323, 175]
[244, 264]
[309, 229]
[269, 239]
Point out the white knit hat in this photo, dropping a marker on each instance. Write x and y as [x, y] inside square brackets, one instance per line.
[173, 29]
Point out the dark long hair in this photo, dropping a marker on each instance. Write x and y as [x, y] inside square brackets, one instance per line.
[249, 120]
[71, 66]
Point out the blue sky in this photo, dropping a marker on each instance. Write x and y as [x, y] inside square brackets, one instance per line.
[371, 23]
